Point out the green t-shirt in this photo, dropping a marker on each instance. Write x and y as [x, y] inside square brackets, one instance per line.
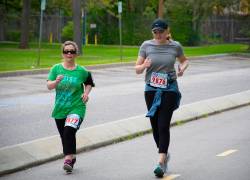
[69, 91]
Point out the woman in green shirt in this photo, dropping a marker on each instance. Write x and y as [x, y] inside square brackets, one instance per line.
[73, 84]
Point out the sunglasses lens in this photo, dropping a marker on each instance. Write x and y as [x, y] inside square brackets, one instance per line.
[158, 31]
[69, 51]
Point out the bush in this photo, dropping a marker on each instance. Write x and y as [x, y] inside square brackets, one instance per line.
[13, 36]
[194, 39]
[67, 32]
[214, 38]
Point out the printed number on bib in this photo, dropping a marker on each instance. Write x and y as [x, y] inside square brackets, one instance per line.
[72, 120]
[159, 80]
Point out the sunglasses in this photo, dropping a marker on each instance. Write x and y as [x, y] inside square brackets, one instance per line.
[69, 51]
[158, 31]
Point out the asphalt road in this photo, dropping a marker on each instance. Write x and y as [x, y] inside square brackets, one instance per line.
[216, 147]
[26, 104]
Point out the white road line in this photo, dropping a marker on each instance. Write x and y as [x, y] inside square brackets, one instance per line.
[226, 153]
[171, 176]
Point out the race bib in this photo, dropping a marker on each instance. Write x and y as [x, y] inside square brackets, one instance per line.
[73, 120]
[159, 80]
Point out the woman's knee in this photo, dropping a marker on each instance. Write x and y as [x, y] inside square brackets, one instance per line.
[69, 132]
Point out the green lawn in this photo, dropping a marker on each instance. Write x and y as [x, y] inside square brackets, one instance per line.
[12, 58]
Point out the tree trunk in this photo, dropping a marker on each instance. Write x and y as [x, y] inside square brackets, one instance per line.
[76, 7]
[130, 6]
[25, 25]
[161, 9]
[2, 22]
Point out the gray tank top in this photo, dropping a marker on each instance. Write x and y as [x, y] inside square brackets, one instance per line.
[163, 57]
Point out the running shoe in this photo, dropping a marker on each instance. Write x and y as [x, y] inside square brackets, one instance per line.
[165, 165]
[73, 161]
[159, 171]
[68, 165]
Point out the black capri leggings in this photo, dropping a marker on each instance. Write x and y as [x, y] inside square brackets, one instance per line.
[68, 137]
[161, 121]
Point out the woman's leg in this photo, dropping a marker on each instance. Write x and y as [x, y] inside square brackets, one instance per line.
[72, 124]
[149, 97]
[60, 127]
[164, 119]
[68, 139]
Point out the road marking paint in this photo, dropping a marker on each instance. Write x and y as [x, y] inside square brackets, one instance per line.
[226, 153]
[172, 176]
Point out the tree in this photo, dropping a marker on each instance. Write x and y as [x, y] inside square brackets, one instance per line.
[187, 16]
[245, 8]
[76, 7]
[25, 25]
[161, 9]
[2, 22]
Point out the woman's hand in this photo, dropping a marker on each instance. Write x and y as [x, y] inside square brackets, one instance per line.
[142, 64]
[85, 97]
[182, 66]
[180, 71]
[52, 84]
[147, 63]
[59, 78]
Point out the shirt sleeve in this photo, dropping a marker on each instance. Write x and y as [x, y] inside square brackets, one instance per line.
[52, 74]
[179, 50]
[89, 80]
[142, 51]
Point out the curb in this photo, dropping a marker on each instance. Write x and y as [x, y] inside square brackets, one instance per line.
[28, 154]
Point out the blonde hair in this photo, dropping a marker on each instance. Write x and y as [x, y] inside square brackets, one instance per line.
[66, 43]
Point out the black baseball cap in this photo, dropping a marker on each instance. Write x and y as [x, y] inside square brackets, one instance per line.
[159, 24]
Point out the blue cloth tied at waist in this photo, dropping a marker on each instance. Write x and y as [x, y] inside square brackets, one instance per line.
[171, 87]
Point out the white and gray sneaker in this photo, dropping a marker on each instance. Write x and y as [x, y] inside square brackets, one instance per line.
[165, 165]
[161, 169]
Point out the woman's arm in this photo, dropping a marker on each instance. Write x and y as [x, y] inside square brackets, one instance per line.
[52, 84]
[89, 83]
[142, 64]
[85, 96]
[183, 65]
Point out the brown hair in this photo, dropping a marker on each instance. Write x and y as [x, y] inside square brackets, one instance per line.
[169, 36]
[66, 43]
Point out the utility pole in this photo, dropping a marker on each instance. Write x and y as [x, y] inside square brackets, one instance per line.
[43, 5]
[84, 22]
[120, 26]
[84, 26]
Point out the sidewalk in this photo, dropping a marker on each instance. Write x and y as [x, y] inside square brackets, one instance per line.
[20, 156]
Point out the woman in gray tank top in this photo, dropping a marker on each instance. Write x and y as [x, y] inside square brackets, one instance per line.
[158, 57]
